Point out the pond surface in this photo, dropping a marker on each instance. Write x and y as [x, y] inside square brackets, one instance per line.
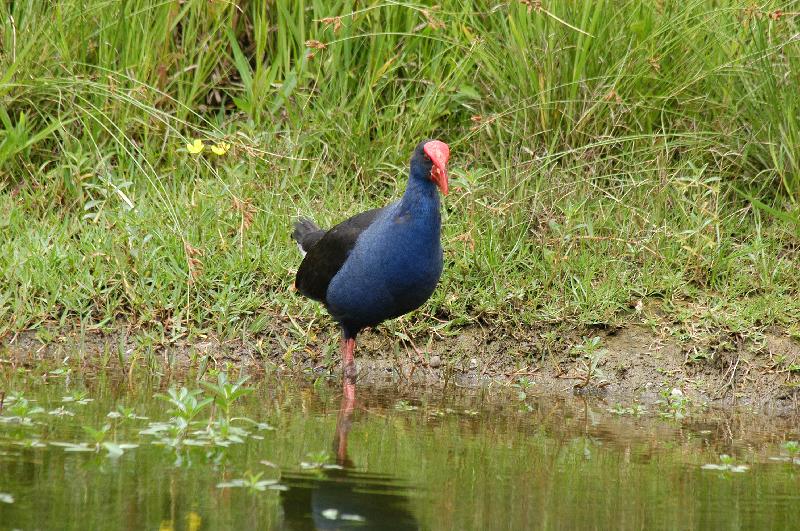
[104, 453]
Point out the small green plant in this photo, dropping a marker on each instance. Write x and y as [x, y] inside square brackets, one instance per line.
[226, 393]
[21, 410]
[588, 347]
[635, 410]
[97, 435]
[591, 352]
[792, 451]
[117, 449]
[30, 443]
[123, 412]
[523, 385]
[674, 405]
[726, 464]
[318, 461]
[792, 448]
[77, 397]
[61, 412]
[61, 371]
[97, 442]
[404, 405]
[697, 355]
[17, 136]
[185, 427]
[253, 483]
[45, 336]
[186, 405]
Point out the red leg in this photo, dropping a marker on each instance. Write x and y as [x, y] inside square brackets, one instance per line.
[343, 423]
[349, 367]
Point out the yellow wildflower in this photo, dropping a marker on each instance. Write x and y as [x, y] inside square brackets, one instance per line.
[221, 148]
[193, 521]
[195, 147]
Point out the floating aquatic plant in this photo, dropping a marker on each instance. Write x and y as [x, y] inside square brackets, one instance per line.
[634, 410]
[61, 412]
[335, 514]
[22, 411]
[792, 448]
[403, 405]
[253, 483]
[78, 397]
[318, 461]
[123, 412]
[726, 464]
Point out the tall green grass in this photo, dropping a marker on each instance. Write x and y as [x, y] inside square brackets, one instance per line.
[603, 153]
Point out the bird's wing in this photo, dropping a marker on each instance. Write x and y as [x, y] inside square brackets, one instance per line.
[327, 256]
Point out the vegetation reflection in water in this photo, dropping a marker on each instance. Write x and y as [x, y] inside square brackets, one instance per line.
[99, 453]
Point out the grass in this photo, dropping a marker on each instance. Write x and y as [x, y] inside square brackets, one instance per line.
[604, 153]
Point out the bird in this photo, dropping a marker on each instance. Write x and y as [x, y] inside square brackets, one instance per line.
[379, 264]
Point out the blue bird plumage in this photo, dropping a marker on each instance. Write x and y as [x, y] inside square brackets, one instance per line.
[383, 263]
[395, 264]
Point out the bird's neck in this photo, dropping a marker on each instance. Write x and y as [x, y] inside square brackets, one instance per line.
[421, 200]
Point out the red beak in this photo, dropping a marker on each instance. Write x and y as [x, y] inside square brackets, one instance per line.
[439, 153]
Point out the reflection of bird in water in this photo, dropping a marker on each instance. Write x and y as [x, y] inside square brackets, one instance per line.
[343, 498]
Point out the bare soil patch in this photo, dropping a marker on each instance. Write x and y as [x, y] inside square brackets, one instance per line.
[631, 365]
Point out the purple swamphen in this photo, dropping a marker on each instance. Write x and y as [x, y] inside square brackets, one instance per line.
[379, 264]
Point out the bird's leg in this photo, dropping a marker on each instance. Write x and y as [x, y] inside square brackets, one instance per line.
[349, 367]
[343, 423]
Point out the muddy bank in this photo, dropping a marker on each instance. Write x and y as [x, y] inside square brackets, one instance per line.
[624, 366]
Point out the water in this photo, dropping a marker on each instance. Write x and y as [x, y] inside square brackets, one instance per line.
[395, 460]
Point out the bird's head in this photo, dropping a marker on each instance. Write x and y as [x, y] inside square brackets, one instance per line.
[430, 161]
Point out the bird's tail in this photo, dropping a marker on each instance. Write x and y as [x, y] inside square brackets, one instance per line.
[306, 233]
